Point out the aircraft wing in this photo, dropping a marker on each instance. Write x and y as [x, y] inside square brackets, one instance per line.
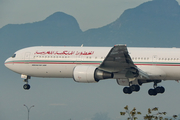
[118, 60]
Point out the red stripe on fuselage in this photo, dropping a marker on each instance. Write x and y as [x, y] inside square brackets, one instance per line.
[160, 64]
[84, 63]
[49, 63]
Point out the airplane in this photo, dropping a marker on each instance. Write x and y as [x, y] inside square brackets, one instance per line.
[130, 66]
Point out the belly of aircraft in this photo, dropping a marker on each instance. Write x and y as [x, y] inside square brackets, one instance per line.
[162, 72]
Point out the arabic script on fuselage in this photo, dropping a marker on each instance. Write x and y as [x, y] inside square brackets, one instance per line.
[64, 52]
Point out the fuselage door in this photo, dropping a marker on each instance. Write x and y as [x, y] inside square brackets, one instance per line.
[27, 56]
[79, 59]
[154, 59]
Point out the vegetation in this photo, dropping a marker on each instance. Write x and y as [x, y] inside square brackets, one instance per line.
[153, 114]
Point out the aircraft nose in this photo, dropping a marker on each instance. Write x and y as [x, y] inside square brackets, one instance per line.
[7, 62]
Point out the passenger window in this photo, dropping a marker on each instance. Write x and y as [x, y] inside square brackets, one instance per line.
[14, 55]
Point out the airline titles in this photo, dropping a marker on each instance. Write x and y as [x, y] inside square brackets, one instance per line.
[64, 53]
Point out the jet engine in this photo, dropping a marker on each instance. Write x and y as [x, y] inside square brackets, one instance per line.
[89, 74]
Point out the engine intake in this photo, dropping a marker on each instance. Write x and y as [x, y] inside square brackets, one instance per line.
[90, 74]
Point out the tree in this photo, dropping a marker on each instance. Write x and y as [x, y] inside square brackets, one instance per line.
[132, 114]
[153, 114]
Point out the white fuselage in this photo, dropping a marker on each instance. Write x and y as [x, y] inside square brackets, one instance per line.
[59, 62]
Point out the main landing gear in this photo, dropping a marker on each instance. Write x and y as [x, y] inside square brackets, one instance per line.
[156, 90]
[26, 78]
[151, 92]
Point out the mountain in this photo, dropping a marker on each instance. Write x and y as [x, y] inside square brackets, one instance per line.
[57, 29]
[155, 23]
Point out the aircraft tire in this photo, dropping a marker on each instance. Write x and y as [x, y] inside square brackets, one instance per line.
[26, 86]
[152, 92]
[159, 89]
[127, 90]
[135, 88]
[162, 89]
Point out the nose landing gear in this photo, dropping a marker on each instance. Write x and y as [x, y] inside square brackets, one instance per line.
[26, 78]
[26, 86]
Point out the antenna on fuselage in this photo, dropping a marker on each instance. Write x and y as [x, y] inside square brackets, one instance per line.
[82, 45]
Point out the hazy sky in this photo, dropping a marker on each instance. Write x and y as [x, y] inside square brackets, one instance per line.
[64, 99]
[89, 13]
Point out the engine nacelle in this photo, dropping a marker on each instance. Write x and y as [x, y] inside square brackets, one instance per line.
[125, 82]
[89, 74]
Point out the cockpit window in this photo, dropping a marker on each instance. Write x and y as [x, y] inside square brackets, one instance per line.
[14, 56]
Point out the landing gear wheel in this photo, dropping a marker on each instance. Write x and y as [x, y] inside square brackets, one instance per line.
[157, 89]
[135, 88]
[127, 90]
[160, 89]
[26, 86]
[152, 92]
